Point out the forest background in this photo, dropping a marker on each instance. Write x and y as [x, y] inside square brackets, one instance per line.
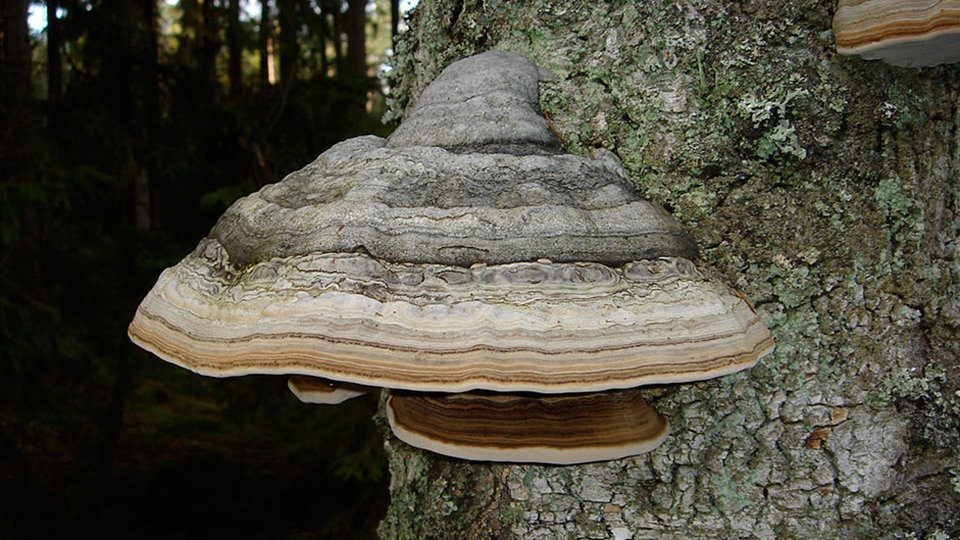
[824, 187]
[126, 128]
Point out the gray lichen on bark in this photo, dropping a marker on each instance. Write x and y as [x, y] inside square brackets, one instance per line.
[824, 187]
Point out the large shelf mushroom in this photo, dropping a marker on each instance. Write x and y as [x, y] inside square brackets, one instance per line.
[906, 33]
[465, 255]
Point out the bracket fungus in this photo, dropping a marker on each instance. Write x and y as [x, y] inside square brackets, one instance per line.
[466, 256]
[906, 33]
[556, 428]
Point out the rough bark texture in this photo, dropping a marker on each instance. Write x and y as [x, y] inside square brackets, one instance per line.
[825, 188]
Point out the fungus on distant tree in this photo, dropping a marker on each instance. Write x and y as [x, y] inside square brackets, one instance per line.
[906, 33]
[465, 254]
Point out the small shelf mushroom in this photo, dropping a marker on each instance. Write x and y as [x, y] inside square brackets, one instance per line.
[558, 429]
[457, 256]
[906, 33]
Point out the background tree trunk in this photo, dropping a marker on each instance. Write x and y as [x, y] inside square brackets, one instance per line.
[235, 48]
[356, 60]
[265, 44]
[54, 62]
[15, 61]
[191, 34]
[16, 149]
[208, 48]
[337, 31]
[394, 19]
[289, 42]
[824, 187]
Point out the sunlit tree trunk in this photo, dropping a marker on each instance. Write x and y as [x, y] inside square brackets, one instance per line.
[825, 188]
[322, 28]
[336, 15]
[266, 43]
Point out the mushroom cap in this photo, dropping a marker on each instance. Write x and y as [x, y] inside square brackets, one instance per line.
[529, 326]
[906, 33]
[324, 391]
[460, 266]
[431, 205]
[487, 102]
[561, 430]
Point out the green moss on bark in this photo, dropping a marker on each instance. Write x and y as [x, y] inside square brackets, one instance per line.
[825, 188]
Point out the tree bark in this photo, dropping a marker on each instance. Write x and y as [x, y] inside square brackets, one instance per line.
[234, 48]
[208, 48]
[188, 41]
[266, 44]
[356, 61]
[15, 62]
[336, 15]
[134, 65]
[289, 42]
[16, 152]
[54, 62]
[825, 188]
[322, 29]
[394, 20]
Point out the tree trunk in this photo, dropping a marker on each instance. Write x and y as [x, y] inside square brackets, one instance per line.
[266, 44]
[188, 41]
[289, 42]
[15, 64]
[356, 62]
[394, 20]
[336, 15]
[54, 63]
[825, 188]
[208, 45]
[133, 64]
[234, 48]
[322, 28]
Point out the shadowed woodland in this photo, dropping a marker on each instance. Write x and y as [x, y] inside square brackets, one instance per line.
[823, 186]
[126, 128]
